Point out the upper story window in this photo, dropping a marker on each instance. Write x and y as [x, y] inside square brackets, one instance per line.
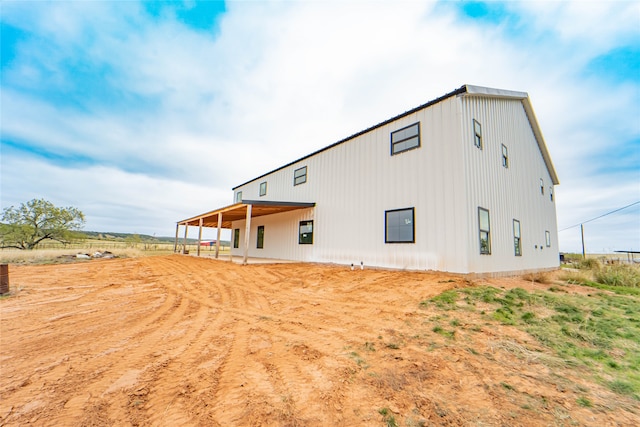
[239, 197]
[505, 156]
[551, 193]
[547, 238]
[300, 176]
[263, 188]
[399, 226]
[405, 139]
[541, 186]
[477, 134]
[485, 231]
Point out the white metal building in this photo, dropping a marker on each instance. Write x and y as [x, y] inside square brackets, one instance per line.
[463, 183]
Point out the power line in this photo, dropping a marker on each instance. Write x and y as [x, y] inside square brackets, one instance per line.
[598, 217]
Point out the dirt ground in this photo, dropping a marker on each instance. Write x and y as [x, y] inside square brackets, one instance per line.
[178, 340]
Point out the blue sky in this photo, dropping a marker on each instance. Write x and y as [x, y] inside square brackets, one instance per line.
[144, 113]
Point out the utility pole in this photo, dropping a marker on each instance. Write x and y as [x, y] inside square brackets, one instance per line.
[584, 256]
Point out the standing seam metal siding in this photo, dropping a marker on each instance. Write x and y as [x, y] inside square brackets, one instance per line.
[508, 193]
[354, 183]
[445, 180]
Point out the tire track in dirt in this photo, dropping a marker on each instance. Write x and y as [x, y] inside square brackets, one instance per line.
[178, 340]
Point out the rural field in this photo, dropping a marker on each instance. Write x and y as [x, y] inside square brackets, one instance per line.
[179, 340]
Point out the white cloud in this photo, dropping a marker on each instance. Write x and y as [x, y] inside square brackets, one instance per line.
[282, 79]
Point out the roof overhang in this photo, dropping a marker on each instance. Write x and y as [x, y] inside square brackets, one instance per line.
[238, 211]
[531, 115]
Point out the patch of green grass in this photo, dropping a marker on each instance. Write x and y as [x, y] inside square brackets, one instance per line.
[599, 331]
[359, 360]
[507, 386]
[584, 402]
[446, 300]
[387, 417]
[444, 332]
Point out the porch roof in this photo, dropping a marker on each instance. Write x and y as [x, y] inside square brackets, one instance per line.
[238, 211]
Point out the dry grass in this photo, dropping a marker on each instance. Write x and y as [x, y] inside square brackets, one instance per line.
[54, 256]
[538, 277]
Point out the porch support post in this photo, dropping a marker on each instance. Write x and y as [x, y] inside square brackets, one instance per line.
[218, 238]
[175, 244]
[246, 236]
[184, 242]
[199, 236]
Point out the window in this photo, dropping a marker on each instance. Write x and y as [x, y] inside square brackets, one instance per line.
[505, 156]
[239, 197]
[399, 226]
[477, 134]
[485, 232]
[260, 243]
[300, 176]
[547, 237]
[263, 188]
[236, 238]
[305, 234]
[517, 243]
[405, 139]
[541, 186]
[551, 193]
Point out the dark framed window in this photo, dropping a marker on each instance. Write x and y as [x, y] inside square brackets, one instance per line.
[547, 238]
[541, 186]
[239, 197]
[305, 233]
[405, 139]
[300, 176]
[505, 156]
[485, 231]
[517, 242]
[551, 193]
[477, 134]
[260, 243]
[399, 226]
[236, 238]
[263, 188]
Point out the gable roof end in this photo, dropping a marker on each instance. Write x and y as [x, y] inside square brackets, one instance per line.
[531, 115]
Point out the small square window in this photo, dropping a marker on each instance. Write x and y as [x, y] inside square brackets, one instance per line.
[485, 231]
[236, 238]
[239, 197]
[305, 233]
[547, 238]
[399, 226]
[405, 139]
[300, 176]
[505, 156]
[260, 243]
[477, 133]
[517, 242]
[263, 188]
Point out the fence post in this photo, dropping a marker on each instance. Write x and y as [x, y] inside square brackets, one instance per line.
[4, 279]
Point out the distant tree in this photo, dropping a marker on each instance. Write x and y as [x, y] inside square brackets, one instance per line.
[37, 220]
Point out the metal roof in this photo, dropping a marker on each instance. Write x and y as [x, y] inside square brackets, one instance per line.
[238, 211]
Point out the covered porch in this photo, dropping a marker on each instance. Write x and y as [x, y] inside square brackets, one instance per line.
[224, 218]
